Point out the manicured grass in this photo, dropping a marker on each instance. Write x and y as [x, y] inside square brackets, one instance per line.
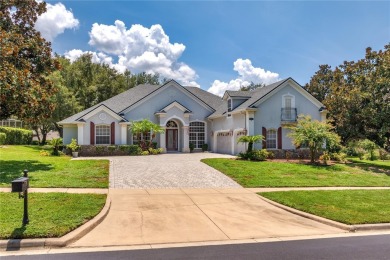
[373, 164]
[283, 174]
[51, 171]
[50, 214]
[346, 206]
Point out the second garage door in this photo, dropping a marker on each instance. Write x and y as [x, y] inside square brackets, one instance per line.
[224, 143]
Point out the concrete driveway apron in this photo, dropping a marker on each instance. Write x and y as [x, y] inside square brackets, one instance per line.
[175, 198]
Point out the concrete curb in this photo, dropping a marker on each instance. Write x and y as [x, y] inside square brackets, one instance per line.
[349, 228]
[16, 244]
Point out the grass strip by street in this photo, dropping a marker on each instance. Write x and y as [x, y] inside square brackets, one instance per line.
[50, 214]
[251, 174]
[346, 206]
[51, 171]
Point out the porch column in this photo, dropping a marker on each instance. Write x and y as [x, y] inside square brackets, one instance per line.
[163, 145]
[250, 126]
[186, 139]
[123, 133]
[80, 133]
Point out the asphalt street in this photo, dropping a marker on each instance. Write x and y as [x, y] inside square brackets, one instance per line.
[363, 247]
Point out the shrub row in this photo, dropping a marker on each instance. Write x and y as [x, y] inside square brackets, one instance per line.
[103, 150]
[16, 135]
[3, 136]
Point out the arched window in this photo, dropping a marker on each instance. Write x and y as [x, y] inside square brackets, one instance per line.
[271, 139]
[197, 134]
[103, 134]
[171, 124]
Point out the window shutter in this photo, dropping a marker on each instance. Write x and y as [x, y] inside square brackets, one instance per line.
[113, 133]
[265, 137]
[280, 138]
[92, 134]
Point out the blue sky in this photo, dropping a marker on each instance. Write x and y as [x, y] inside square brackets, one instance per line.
[233, 42]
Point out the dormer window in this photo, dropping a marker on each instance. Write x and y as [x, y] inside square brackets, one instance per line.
[230, 104]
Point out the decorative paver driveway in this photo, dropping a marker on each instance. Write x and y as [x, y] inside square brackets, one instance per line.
[179, 170]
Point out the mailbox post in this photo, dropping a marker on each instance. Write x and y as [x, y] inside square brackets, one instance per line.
[21, 185]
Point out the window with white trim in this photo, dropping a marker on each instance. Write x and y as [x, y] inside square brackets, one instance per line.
[197, 134]
[141, 136]
[271, 139]
[103, 134]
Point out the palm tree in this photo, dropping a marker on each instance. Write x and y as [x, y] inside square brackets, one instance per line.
[250, 139]
[55, 144]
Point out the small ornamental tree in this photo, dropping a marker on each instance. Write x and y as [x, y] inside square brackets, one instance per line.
[368, 146]
[56, 143]
[317, 135]
[250, 139]
[144, 127]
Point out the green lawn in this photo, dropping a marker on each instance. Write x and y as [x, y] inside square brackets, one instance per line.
[346, 206]
[385, 165]
[51, 171]
[50, 214]
[282, 174]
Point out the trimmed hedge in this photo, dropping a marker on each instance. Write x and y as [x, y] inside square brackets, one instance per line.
[109, 150]
[17, 135]
[3, 136]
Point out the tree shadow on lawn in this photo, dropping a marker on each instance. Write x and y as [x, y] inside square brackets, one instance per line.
[10, 170]
[39, 148]
[371, 168]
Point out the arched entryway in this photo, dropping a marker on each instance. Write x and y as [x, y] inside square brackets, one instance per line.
[172, 136]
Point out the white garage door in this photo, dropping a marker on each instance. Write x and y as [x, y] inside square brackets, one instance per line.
[224, 143]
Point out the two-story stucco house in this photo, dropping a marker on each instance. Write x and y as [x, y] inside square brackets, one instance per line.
[192, 115]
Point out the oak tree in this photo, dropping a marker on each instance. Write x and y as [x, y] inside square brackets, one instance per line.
[25, 63]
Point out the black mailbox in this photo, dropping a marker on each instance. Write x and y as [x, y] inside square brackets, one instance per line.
[20, 184]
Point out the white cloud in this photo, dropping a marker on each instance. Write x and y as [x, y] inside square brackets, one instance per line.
[247, 74]
[55, 21]
[97, 57]
[219, 87]
[142, 49]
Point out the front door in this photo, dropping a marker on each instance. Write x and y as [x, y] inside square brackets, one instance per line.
[171, 139]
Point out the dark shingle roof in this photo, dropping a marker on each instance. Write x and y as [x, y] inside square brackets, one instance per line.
[128, 98]
[118, 102]
[255, 95]
[207, 97]
[239, 93]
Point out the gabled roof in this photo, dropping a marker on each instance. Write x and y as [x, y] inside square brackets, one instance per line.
[124, 101]
[239, 93]
[118, 102]
[254, 95]
[258, 95]
[174, 104]
[121, 102]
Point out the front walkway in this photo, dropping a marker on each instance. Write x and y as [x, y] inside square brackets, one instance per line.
[178, 170]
